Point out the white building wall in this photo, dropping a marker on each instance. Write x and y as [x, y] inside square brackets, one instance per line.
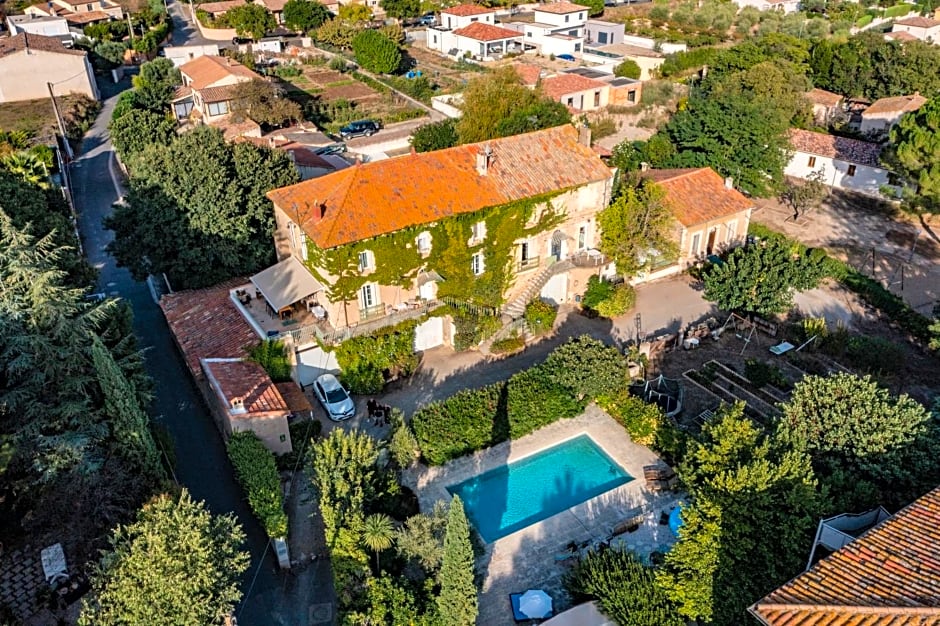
[573, 19]
[180, 55]
[24, 74]
[867, 179]
[48, 26]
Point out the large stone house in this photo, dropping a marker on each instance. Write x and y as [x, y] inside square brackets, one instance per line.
[29, 63]
[478, 224]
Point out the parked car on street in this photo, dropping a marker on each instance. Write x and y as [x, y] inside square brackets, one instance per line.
[361, 128]
[334, 398]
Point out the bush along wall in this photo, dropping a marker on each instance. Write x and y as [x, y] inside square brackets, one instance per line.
[573, 375]
[367, 360]
[256, 471]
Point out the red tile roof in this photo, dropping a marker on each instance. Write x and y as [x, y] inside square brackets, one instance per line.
[467, 10]
[529, 74]
[560, 8]
[697, 196]
[29, 41]
[206, 324]
[842, 148]
[206, 70]
[87, 17]
[918, 22]
[561, 85]
[294, 396]
[246, 381]
[217, 94]
[901, 36]
[890, 576]
[220, 7]
[487, 32]
[823, 97]
[897, 104]
[385, 196]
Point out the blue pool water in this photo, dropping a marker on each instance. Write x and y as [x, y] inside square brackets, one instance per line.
[511, 497]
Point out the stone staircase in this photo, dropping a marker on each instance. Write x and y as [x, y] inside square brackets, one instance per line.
[515, 309]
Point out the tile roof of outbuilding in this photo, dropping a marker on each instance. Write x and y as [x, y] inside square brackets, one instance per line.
[385, 196]
[918, 21]
[240, 379]
[896, 104]
[560, 8]
[467, 10]
[890, 576]
[487, 32]
[901, 35]
[823, 97]
[529, 74]
[205, 70]
[206, 324]
[842, 148]
[557, 86]
[29, 41]
[698, 195]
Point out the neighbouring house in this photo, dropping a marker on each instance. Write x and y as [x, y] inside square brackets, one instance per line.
[29, 63]
[621, 91]
[839, 162]
[78, 14]
[207, 92]
[878, 118]
[558, 28]
[470, 30]
[601, 33]
[826, 105]
[576, 92]
[477, 224]
[711, 216]
[216, 10]
[612, 55]
[887, 576]
[180, 55]
[922, 28]
[784, 6]
[48, 26]
[307, 162]
[243, 398]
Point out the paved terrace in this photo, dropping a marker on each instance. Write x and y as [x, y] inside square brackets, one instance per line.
[527, 558]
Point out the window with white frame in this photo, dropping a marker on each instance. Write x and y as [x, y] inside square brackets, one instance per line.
[476, 264]
[478, 232]
[582, 237]
[732, 230]
[696, 243]
[292, 235]
[368, 296]
[366, 261]
[423, 241]
[218, 108]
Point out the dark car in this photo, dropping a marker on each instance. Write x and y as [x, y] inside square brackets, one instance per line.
[362, 128]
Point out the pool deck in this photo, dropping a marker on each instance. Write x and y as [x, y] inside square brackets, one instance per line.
[527, 559]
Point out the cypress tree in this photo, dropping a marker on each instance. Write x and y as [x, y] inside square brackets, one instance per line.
[457, 602]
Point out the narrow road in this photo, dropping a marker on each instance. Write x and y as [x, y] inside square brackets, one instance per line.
[185, 32]
[270, 598]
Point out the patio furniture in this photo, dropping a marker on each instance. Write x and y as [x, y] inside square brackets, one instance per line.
[533, 604]
[632, 520]
[782, 348]
[659, 478]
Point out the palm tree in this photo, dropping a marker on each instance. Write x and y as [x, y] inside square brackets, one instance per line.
[377, 533]
[29, 166]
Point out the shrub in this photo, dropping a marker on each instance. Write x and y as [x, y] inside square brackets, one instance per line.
[256, 471]
[472, 329]
[761, 373]
[598, 290]
[687, 60]
[874, 354]
[403, 446]
[508, 344]
[376, 52]
[628, 69]
[641, 420]
[588, 368]
[603, 127]
[540, 316]
[533, 400]
[608, 299]
[625, 589]
[367, 360]
[272, 355]
[287, 71]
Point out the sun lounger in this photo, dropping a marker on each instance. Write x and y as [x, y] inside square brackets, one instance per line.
[782, 348]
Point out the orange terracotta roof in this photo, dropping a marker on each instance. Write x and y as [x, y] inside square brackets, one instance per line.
[206, 70]
[901, 36]
[240, 379]
[842, 148]
[890, 576]
[487, 32]
[697, 196]
[561, 85]
[206, 324]
[294, 396]
[560, 8]
[45, 9]
[87, 17]
[823, 97]
[918, 22]
[529, 74]
[232, 130]
[274, 5]
[29, 41]
[897, 104]
[217, 94]
[467, 10]
[214, 8]
[385, 196]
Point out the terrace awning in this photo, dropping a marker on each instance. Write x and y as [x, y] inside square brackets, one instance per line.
[286, 283]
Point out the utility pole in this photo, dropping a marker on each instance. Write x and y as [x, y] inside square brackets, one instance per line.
[61, 124]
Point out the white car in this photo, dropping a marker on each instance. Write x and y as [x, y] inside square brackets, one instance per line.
[334, 398]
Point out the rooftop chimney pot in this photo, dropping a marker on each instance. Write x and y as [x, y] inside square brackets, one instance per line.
[644, 166]
[729, 182]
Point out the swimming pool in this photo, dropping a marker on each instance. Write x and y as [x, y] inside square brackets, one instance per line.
[506, 499]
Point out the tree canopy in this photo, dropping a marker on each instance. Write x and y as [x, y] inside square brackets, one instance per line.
[251, 20]
[139, 128]
[435, 136]
[457, 602]
[916, 152]
[143, 579]
[637, 228]
[401, 9]
[304, 15]
[376, 52]
[262, 102]
[154, 85]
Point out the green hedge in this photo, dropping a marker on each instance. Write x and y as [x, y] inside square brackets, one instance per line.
[642, 421]
[865, 20]
[365, 360]
[470, 420]
[689, 59]
[540, 316]
[507, 344]
[898, 10]
[256, 471]
[868, 289]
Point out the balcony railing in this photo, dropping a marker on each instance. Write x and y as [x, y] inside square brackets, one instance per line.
[527, 264]
[372, 312]
[589, 258]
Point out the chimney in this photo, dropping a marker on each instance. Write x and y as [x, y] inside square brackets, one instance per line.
[729, 182]
[644, 166]
[584, 135]
[237, 404]
[483, 159]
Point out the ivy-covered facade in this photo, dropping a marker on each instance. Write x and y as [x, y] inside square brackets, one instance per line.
[484, 253]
